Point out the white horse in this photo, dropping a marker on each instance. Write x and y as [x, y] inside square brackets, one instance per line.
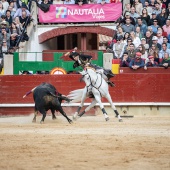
[96, 86]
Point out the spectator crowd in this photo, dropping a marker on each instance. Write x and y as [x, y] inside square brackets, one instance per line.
[142, 37]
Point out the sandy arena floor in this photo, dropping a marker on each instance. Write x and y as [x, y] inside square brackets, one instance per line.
[139, 143]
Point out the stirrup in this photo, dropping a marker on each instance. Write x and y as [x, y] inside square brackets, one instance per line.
[111, 84]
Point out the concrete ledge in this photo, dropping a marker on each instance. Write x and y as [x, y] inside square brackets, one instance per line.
[86, 104]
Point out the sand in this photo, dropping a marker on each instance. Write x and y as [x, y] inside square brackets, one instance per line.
[139, 143]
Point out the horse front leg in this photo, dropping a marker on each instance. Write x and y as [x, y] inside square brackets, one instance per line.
[88, 108]
[98, 99]
[81, 104]
[114, 107]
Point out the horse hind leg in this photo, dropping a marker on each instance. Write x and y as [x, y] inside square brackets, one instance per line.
[88, 108]
[81, 105]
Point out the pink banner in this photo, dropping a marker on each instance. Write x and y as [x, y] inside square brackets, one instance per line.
[85, 13]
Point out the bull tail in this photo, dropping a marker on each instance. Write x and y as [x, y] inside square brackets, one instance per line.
[75, 95]
[31, 91]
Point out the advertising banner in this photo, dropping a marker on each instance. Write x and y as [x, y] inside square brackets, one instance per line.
[85, 13]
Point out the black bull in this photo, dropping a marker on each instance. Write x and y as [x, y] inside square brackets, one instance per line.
[47, 98]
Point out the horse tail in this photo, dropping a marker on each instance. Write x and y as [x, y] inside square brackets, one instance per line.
[75, 95]
[31, 91]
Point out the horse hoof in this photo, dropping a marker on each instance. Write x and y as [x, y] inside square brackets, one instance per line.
[74, 118]
[54, 118]
[33, 121]
[107, 119]
[120, 120]
[70, 121]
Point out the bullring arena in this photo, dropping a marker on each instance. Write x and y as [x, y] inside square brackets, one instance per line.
[89, 143]
[140, 142]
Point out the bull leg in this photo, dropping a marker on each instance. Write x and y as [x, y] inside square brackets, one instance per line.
[35, 115]
[64, 114]
[113, 107]
[88, 108]
[43, 112]
[53, 114]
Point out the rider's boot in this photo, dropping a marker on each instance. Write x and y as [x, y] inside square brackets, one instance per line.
[109, 75]
[110, 83]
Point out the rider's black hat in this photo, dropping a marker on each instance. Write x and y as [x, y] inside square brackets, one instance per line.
[73, 54]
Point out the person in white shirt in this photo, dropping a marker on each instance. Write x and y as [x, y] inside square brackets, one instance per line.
[136, 40]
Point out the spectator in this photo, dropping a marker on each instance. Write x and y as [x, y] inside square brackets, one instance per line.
[155, 26]
[24, 19]
[138, 33]
[155, 41]
[4, 23]
[67, 2]
[162, 31]
[160, 37]
[119, 32]
[125, 60]
[165, 40]
[164, 50]
[133, 13]
[144, 54]
[162, 17]
[148, 38]
[145, 17]
[154, 51]
[4, 36]
[127, 16]
[157, 9]
[166, 27]
[131, 51]
[80, 2]
[128, 27]
[142, 26]
[46, 2]
[2, 11]
[4, 47]
[19, 11]
[138, 6]
[5, 4]
[166, 61]
[151, 31]
[125, 37]
[118, 47]
[137, 62]
[143, 42]
[152, 19]
[127, 46]
[168, 10]
[12, 10]
[149, 9]
[150, 63]
[103, 2]
[127, 8]
[135, 39]
[58, 2]
[18, 24]
[165, 2]
[9, 17]
[152, 4]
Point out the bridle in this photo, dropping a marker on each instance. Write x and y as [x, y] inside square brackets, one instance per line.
[91, 83]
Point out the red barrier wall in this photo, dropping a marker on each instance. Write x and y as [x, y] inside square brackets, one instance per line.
[133, 86]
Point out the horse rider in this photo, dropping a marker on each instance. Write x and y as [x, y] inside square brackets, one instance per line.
[85, 60]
